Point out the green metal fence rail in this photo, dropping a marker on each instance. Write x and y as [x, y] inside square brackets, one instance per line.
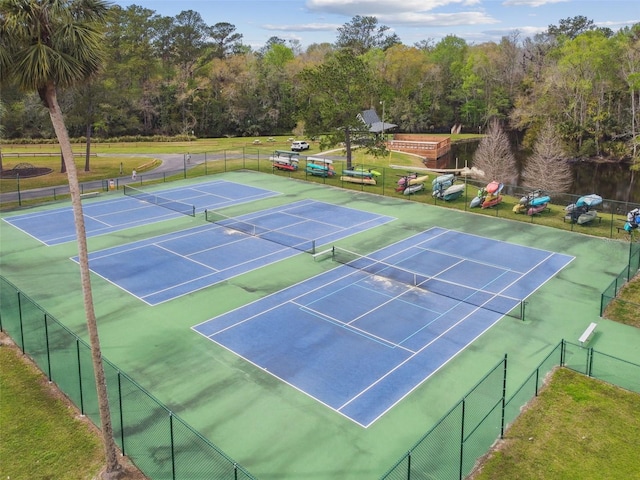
[609, 223]
[161, 444]
[630, 271]
[451, 448]
[165, 447]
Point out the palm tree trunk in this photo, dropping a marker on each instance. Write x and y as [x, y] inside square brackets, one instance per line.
[113, 468]
[88, 149]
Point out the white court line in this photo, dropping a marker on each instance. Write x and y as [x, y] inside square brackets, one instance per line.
[349, 327]
[439, 336]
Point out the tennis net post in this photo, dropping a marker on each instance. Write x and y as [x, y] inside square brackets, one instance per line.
[505, 305]
[276, 236]
[154, 199]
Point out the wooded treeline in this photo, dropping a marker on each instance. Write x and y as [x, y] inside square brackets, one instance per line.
[179, 76]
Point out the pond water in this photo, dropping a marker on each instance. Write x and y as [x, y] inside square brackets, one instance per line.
[613, 181]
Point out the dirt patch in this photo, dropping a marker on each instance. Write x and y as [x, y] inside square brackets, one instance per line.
[25, 170]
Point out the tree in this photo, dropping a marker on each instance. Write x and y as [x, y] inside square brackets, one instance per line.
[494, 156]
[276, 88]
[336, 92]
[548, 167]
[225, 39]
[363, 34]
[132, 75]
[629, 67]
[46, 45]
[448, 57]
[585, 86]
[571, 27]
[271, 43]
[407, 76]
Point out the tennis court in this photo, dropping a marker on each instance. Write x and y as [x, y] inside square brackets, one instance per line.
[362, 336]
[161, 268]
[288, 431]
[137, 208]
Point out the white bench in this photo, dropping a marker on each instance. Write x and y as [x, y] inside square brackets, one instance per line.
[89, 194]
[584, 338]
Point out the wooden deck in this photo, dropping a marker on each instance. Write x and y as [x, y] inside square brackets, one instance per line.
[431, 149]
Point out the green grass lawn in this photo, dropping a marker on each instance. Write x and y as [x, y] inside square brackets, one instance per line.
[577, 428]
[42, 435]
[626, 308]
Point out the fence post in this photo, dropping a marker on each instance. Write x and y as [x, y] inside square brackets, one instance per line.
[173, 454]
[562, 348]
[21, 326]
[460, 473]
[80, 376]
[611, 234]
[184, 165]
[19, 197]
[46, 338]
[590, 364]
[504, 396]
[409, 465]
[121, 412]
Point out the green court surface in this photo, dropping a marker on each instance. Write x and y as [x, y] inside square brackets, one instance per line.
[270, 428]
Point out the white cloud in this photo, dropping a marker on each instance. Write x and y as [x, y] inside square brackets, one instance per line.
[525, 32]
[410, 19]
[530, 3]
[406, 13]
[617, 25]
[379, 8]
[304, 27]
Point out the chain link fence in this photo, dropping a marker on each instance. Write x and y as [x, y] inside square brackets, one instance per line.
[161, 444]
[609, 222]
[164, 447]
[451, 449]
[630, 271]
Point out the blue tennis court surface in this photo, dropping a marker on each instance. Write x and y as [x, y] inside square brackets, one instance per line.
[57, 226]
[360, 342]
[159, 269]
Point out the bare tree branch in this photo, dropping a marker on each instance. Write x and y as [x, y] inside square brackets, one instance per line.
[548, 167]
[494, 156]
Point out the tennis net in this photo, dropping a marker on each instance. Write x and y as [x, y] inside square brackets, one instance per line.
[174, 205]
[276, 236]
[510, 306]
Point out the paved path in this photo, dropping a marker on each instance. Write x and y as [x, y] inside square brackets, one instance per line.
[171, 162]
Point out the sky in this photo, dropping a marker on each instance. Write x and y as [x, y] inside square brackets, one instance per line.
[317, 21]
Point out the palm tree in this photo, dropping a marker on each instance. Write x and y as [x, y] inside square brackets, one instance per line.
[46, 45]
